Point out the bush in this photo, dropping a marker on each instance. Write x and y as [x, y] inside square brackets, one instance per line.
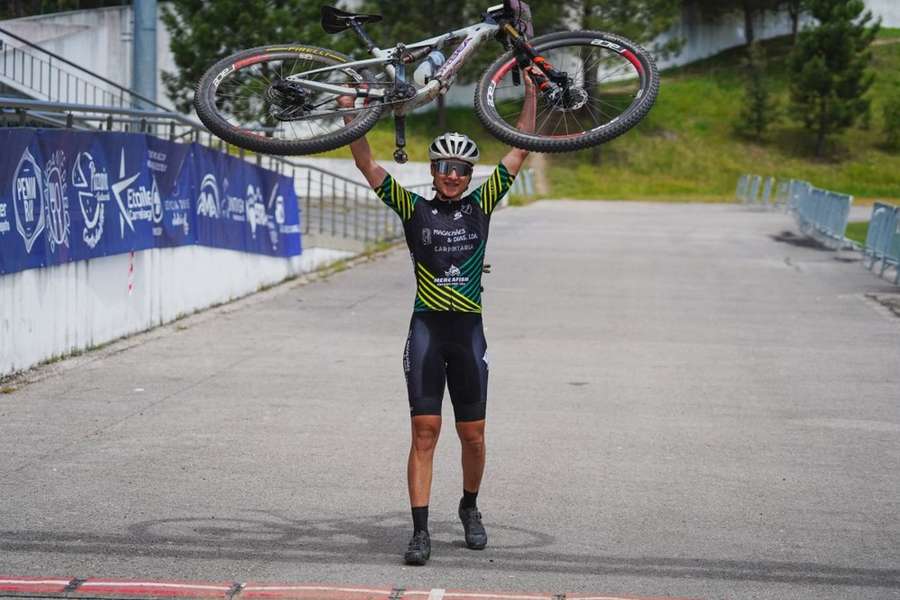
[891, 113]
[759, 109]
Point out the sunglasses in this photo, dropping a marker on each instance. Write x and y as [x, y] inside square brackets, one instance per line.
[445, 166]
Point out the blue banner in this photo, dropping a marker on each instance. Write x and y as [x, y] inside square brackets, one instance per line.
[67, 196]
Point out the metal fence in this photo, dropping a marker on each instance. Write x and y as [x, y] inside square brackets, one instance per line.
[36, 72]
[331, 205]
[883, 240]
[820, 214]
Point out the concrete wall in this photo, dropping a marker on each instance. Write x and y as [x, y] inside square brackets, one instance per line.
[45, 313]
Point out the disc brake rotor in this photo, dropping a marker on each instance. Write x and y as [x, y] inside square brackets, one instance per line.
[288, 101]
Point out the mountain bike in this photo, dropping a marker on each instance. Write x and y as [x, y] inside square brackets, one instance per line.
[283, 99]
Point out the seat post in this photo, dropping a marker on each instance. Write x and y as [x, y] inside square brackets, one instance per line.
[370, 44]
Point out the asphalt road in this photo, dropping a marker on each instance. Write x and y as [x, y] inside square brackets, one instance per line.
[684, 401]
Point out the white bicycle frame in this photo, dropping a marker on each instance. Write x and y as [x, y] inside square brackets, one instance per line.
[472, 36]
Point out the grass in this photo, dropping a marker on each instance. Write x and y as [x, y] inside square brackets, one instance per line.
[857, 230]
[687, 150]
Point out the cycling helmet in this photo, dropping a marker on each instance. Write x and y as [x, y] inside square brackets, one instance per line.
[454, 145]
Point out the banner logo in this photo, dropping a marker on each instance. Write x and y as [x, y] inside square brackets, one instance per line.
[29, 199]
[58, 202]
[255, 210]
[92, 185]
[117, 188]
[208, 200]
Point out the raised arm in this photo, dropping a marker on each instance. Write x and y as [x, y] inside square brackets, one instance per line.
[362, 153]
[515, 157]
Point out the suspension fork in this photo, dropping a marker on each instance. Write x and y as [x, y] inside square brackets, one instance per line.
[526, 56]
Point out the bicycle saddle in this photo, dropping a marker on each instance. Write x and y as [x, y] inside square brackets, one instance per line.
[335, 20]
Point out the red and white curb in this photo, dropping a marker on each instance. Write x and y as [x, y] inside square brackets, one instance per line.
[73, 587]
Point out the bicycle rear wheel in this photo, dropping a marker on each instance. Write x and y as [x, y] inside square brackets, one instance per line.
[247, 100]
[612, 84]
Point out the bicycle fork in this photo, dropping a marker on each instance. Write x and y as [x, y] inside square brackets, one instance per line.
[544, 74]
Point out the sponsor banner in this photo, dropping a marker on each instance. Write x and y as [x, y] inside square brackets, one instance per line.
[251, 208]
[69, 196]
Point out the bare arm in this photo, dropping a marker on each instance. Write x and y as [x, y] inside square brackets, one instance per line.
[515, 157]
[362, 153]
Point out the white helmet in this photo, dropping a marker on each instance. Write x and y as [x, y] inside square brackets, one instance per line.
[454, 145]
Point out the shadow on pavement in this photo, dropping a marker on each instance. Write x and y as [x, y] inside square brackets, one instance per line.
[379, 539]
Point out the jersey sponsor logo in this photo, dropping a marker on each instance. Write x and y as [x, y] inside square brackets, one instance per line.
[467, 209]
[457, 216]
[452, 276]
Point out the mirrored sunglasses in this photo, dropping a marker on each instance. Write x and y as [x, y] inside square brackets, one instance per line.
[445, 166]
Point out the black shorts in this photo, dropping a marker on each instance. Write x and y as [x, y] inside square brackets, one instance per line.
[446, 347]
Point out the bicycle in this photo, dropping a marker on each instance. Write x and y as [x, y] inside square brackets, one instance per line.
[282, 99]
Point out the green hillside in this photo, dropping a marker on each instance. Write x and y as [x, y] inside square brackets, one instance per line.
[687, 149]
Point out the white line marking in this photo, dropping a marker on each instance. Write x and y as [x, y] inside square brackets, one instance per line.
[436, 594]
[37, 581]
[302, 588]
[502, 596]
[89, 584]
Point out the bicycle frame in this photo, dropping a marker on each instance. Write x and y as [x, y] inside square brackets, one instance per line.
[472, 38]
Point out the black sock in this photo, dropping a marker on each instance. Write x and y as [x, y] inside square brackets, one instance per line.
[468, 499]
[420, 518]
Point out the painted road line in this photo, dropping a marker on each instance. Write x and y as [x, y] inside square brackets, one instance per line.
[124, 587]
[31, 585]
[59, 587]
[309, 592]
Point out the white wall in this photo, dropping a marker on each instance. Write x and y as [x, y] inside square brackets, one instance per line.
[45, 313]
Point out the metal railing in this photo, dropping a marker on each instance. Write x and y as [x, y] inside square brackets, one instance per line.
[331, 205]
[35, 71]
[883, 240]
[820, 214]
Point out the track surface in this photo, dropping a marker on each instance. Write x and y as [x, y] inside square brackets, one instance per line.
[680, 405]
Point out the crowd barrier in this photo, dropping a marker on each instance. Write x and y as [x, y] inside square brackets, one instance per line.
[820, 214]
[823, 215]
[883, 240]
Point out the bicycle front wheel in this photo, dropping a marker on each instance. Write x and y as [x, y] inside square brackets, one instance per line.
[257, 99]
[612, 84]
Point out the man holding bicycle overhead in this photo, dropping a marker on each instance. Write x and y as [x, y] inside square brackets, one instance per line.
[446, 237]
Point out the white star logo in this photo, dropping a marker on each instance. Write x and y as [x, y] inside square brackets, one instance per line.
[117, 189]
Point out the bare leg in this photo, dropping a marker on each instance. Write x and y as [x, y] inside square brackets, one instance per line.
[425, 432]
[471, 437]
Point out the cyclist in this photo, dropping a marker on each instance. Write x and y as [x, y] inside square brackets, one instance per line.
[446, 237]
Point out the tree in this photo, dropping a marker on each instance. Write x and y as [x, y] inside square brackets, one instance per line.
[641, 21]
[203, 32]
[759, 108]
[750, 9]
[414, 21]
[891, 112]
[795, 10]
[829, 68]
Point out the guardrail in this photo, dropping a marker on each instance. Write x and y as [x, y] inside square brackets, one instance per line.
[332, 205]
[883, 240]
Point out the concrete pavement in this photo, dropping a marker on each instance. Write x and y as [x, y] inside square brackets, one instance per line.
[684, 401]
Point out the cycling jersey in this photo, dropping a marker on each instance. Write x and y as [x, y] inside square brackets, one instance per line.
[446, 241]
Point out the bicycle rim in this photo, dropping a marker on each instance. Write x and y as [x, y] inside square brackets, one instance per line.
[611, 86]
[249, 100]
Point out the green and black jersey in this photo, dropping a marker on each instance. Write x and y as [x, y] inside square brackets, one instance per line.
[447, 241]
